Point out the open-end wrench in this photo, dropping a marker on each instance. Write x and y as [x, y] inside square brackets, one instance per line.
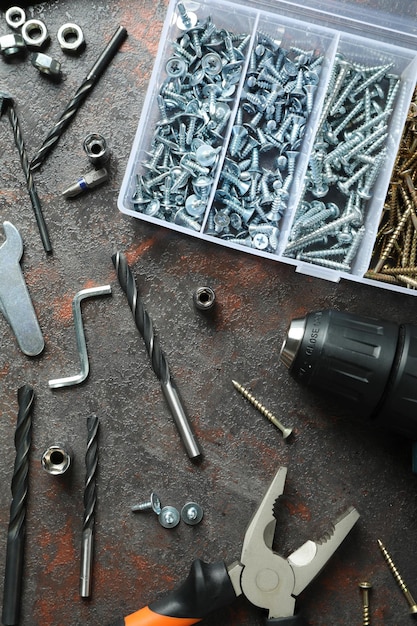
[15, 302]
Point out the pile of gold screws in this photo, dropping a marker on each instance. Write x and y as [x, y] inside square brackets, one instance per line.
[394, 258]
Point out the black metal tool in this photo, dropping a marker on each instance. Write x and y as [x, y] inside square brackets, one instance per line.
[158, 359]
[90, 499]
[17, 523]
[369, 364]
[81, 94]
[7, 105]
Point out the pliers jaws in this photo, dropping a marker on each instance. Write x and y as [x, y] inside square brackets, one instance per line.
[269, 580]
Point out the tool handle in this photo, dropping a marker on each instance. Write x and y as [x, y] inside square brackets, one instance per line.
[206, 588]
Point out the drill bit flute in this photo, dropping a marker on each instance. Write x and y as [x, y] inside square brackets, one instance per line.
[7, 105]
[17, 523]
[81, 94]
[90, 499]
[158, 359]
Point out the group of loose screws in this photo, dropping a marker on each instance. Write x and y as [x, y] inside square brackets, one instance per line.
[347, 157]
[169, 516]
[394, 258]
[365, 588]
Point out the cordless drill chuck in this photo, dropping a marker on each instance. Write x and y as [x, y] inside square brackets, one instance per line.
[368, 364]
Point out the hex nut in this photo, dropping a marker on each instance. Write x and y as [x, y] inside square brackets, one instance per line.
[35, 34]
[15, 17]
[95, 147]
[71, 38]
[204, 298]
[12, 45]
[46, 65]
[56, 459]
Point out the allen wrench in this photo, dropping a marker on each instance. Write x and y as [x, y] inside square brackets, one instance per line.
[80, 337]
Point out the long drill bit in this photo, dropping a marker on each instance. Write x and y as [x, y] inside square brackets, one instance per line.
[8, 104]
[17, 523]
[158, 359]
[90, 499]
[81, 94]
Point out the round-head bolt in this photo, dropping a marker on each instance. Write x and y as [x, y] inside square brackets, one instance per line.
[169, 517]
[192, 513]
[154, 504]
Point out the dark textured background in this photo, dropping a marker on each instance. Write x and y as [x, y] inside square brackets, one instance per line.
[333, 461]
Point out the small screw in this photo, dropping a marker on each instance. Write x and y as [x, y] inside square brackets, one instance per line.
[365, 587]
[153, 504]
[192, 513]
[169, 517]
[286, 432]
[411, 602]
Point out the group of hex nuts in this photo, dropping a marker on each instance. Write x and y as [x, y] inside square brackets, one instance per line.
[32, 34]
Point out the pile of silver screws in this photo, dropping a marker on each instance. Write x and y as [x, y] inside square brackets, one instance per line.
[258, 172]
[346, 160]
[195, 104]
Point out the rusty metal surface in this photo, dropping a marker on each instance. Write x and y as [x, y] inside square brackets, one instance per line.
[334, 460]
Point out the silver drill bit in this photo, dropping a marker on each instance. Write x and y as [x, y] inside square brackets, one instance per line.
[89, 181]
[158, 359]
[90, 499]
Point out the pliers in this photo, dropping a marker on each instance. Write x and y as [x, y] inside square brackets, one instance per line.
[267, 579]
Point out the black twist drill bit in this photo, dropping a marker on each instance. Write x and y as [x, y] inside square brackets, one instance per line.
[156, 354]
[81, 94]
[17, 522]
[7, 104]
[90, 499]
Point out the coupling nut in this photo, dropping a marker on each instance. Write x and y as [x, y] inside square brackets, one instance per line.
[204, 298]
[56, 459]
[95, 147]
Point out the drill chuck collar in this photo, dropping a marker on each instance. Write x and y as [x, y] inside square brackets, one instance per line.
[368, 364]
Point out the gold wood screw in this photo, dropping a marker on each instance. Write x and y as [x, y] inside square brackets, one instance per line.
[286, 432]
[365, 587]
[411, 602]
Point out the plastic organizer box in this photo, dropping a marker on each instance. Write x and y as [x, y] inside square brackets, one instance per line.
[274, 130]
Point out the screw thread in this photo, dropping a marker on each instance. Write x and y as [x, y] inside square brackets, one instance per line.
[262, 409]
[411, 602]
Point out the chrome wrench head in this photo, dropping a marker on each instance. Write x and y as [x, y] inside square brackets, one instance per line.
[15, 302]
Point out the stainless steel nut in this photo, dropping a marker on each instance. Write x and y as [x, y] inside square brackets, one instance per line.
[12, 44]
[46, 65]
[35, 34]
[15, 17]
[95, 147]
[71, 37]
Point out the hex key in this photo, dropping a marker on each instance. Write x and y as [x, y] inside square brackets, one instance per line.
[79, 332]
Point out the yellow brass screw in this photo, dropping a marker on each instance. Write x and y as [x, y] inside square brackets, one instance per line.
[365, 587]
[286, 432]
[411, 602]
